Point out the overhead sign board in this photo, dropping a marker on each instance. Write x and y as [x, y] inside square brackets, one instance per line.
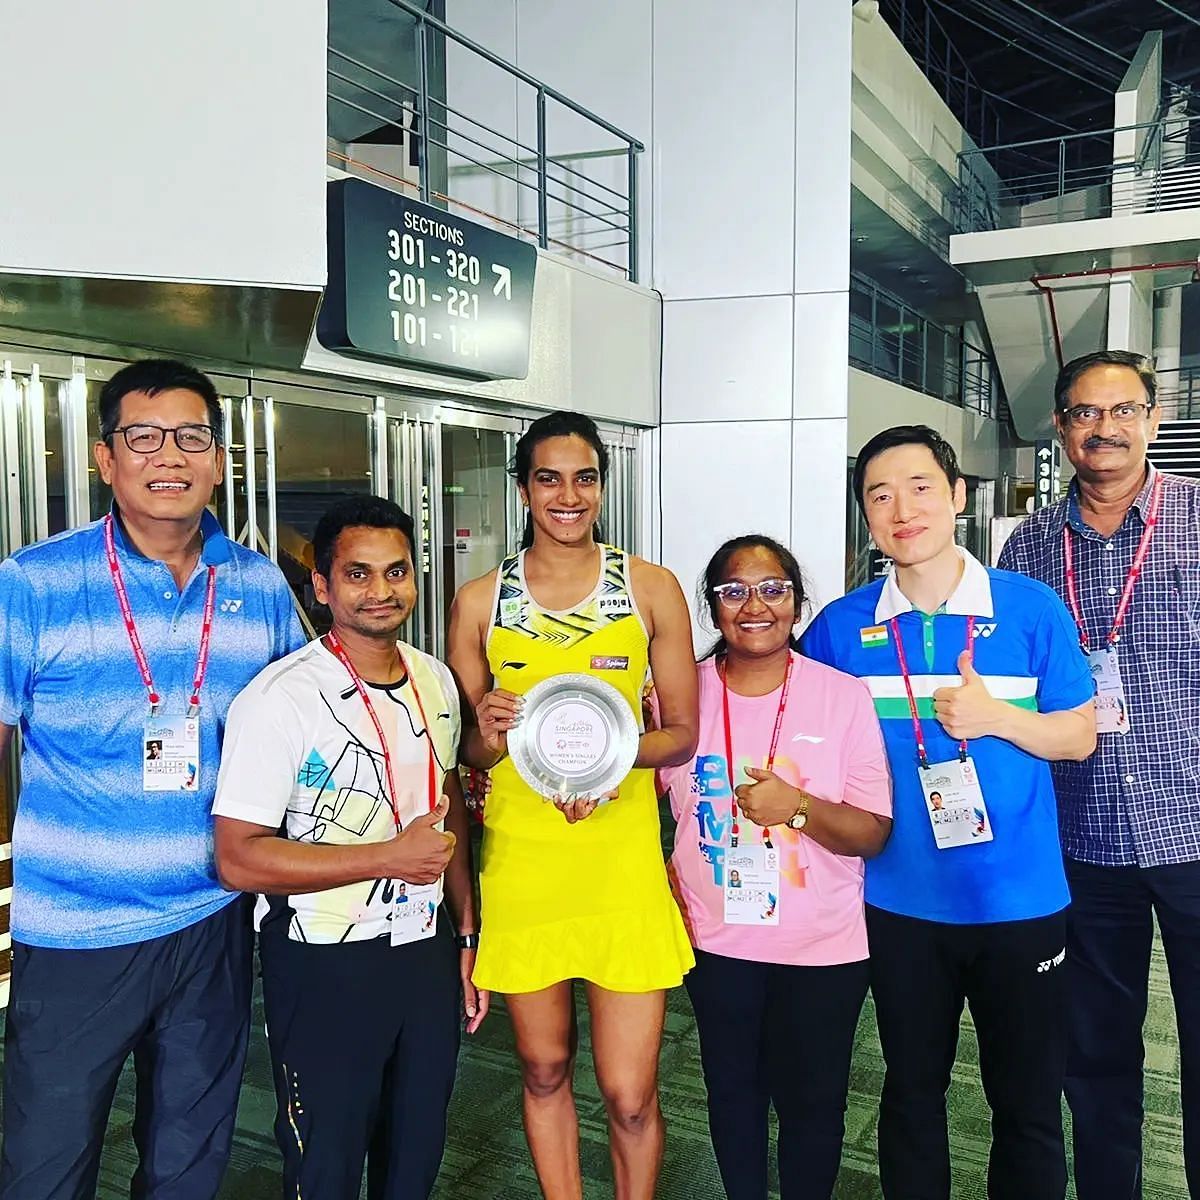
[413, 285]
[1047, 479]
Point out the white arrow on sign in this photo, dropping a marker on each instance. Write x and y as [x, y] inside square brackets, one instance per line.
[1044, 452]
[503, 281]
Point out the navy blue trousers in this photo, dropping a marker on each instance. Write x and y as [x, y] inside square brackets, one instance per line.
[1110, 932]
[181, 1006]
[364, 1045]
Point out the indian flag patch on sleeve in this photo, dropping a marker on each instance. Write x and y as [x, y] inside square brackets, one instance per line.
[874, 635]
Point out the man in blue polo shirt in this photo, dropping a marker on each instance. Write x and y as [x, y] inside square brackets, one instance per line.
[122, 645]
[978, 682]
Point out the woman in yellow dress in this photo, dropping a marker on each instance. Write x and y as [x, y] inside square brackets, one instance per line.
[576, 888]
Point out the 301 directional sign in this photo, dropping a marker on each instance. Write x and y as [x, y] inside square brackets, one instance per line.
[1047, 473]
[412, 284]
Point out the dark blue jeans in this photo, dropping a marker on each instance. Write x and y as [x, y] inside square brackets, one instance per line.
[1110, 931]
[180, 1005]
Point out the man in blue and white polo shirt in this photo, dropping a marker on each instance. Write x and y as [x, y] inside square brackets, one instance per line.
[977, 681]
[122, 645]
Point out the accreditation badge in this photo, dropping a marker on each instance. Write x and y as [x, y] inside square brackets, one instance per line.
[171, 754]
[752, 885]
[954, 800]
[1112, 711]
[414, 912]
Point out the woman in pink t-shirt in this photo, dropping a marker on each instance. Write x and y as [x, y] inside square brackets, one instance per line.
[768, 869]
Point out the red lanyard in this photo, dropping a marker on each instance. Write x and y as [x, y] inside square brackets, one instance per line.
[114, 567]
[922, 755]
[336, 646]
[783, 695]
[1139, 561]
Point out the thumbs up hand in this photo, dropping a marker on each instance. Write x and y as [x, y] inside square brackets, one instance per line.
[768, 800]
[419, 853]
[969, 710]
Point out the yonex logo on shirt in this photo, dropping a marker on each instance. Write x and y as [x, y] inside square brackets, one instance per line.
[985, 631]
[230, 606]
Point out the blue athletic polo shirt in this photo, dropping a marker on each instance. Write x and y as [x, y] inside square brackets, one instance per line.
[97, 861]
[1027, 651]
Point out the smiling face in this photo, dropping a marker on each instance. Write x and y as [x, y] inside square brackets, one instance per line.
[755, 629]
[910, 504]
[166, 484]
[563, 490]
[1110, 448]
[371, 587]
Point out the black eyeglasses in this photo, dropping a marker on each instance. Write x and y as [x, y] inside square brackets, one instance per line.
[150, 439]
[1083, 416]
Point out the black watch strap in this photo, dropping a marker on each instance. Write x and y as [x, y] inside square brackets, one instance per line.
[468, 941]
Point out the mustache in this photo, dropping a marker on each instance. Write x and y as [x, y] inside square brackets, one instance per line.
[1096, 441]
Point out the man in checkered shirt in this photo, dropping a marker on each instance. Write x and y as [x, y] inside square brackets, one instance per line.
[1130, 814]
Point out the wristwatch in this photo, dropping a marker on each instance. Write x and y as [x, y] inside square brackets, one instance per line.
[799, 818]
[468, 941]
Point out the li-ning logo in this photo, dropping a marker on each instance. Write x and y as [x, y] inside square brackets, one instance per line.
[230, 606]
[985, 631]
[1056, 961]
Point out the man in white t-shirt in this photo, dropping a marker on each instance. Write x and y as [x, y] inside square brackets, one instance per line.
[339, 802]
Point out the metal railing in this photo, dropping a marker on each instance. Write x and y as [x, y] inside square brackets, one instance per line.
[1079, 176]
[1179, 394]
[890, 339]
[926, 40]
[579, 198]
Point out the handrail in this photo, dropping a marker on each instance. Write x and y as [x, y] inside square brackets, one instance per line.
[1069, 137]
[920, 353]
[981, 118]
[586, 198]
[1092, 181]
[461, 38]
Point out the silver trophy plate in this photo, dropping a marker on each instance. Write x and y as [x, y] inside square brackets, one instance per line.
[577, 737]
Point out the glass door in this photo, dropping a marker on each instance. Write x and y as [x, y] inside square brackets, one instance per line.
[480, 523]
[291, 452]
[620, 514]
[44, 456]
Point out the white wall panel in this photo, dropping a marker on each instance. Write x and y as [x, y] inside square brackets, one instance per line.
[821, 338]
[165, 140]
[822, 146]
[487, 93]
[597, 54]
[724, 147]
[720, 480]
[818, 531]
[728, 360]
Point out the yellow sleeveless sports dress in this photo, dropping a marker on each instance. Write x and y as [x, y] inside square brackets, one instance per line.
[589, 900]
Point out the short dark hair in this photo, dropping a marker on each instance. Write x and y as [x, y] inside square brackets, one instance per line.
[369, 512]
[555, 424]
[905, 435]
[151, 376]
[714, 575]
[1140, 364]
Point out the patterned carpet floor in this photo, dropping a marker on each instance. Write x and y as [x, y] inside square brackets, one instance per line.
[486, 1158]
